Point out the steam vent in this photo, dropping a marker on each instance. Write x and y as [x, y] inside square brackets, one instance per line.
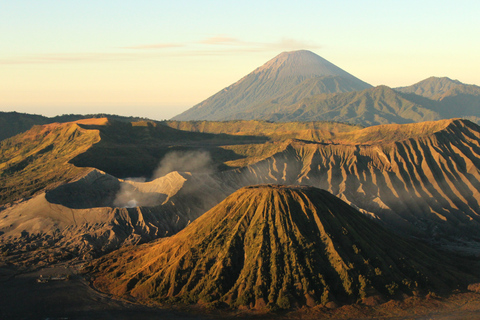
[277, 247]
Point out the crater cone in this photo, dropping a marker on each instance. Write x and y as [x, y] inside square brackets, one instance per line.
[274, 247]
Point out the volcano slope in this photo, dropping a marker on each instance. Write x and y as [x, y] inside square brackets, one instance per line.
[420, 179]
[278, 247]
[52, 197]
[286, 78]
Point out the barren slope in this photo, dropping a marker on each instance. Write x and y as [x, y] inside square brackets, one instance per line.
[419, 179]
[278, 247]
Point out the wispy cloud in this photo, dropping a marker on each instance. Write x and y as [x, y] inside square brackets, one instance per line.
[67, 58]
[155, 46]
[213, 46]
[221, 39]
[290, 44]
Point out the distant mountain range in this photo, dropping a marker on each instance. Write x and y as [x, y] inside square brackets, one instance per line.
[301, 86]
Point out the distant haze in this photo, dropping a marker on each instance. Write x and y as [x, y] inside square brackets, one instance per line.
[157, 58]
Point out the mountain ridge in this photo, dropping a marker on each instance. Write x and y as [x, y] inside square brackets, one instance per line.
[437, 88]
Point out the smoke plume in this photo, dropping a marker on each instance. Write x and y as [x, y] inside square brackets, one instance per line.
[185, 161]
[130, 197]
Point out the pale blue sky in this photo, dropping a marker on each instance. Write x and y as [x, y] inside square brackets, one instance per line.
[158, 58]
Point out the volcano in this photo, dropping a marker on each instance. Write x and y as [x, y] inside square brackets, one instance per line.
[290, 76]
[277, 247]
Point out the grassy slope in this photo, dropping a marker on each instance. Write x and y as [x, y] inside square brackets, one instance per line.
[39, 158]
[291, 130]
[13, 123]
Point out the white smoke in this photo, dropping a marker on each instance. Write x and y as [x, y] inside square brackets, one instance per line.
[130, 197]
[185, 161]
[136, 179]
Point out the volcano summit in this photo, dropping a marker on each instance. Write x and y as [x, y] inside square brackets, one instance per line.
[278, 247]
[290, 76]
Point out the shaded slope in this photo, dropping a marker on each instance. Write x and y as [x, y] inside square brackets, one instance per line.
[334, 98]
[279, 247]
[304, 70]
[379, 105]
[438, 88]
[48, 155]
[428, 185]
[93, 215]
[452, 98]
[135, 149]
[421, 179]
[13, 123]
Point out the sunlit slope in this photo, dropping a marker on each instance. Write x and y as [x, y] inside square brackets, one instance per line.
[311, 131]
[39, 158]
[420, 183]
[89, 217]
[419, 179]
[56, 153]
[13, 123]
[290, 76]
[277, 247]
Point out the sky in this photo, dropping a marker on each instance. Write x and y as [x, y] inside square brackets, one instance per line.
[156, 59]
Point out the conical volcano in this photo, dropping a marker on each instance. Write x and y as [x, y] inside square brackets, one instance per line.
[290, 76]
[277, 247]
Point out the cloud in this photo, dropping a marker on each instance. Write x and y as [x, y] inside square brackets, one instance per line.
[156, 46]
[67, 58]
[290, 44]
[225, 40]
[283, 44]
[213, 46]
